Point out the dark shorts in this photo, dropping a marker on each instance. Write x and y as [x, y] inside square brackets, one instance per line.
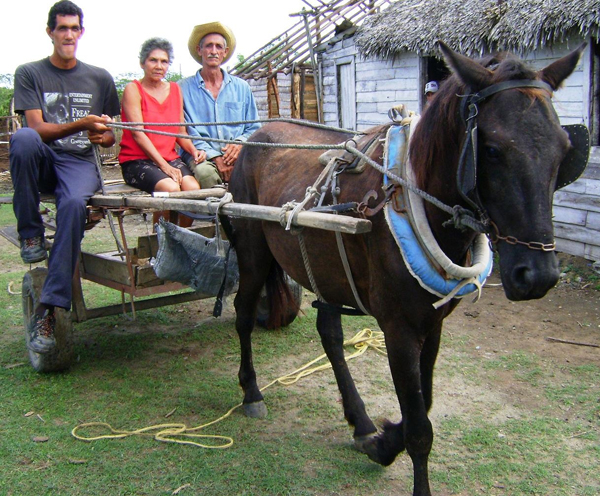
[145, 174]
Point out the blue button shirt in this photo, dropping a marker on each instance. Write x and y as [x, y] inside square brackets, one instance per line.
[235, 102]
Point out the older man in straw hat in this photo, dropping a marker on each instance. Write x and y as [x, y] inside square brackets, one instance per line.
[213, 95]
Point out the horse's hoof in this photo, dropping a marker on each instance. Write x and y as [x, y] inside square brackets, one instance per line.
[368, 445]
[360, 442]
[257, 409]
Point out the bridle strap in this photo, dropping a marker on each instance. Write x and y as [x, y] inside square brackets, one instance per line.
[508, 85]
[467, 166]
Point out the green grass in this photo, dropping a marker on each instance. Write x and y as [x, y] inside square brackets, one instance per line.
[134, 380]
[520, 456]
[545, 446]
[131, 376]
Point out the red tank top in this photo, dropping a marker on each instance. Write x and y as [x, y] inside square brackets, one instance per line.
[153, 111]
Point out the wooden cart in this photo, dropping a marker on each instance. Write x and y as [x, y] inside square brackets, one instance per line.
[123, 270]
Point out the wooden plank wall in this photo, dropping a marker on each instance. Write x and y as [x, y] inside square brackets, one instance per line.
[381, 84]
[577, 213]
[261, 95]
[569, 100]
[296, 96]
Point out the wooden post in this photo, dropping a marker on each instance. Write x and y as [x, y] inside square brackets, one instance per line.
[317, 220]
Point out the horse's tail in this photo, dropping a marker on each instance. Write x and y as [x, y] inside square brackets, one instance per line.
[283, 299]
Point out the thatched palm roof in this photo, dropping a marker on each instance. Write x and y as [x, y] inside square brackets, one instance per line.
[474, 27]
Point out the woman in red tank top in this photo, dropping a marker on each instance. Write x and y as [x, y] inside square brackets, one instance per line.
[150, 161]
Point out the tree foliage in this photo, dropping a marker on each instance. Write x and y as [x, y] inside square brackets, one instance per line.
[123, 79]
[6, 93]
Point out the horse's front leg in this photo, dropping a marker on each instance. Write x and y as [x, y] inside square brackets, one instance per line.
[329, 325]
[412, 366]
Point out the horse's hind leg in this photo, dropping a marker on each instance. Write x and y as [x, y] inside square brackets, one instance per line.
[329, 325]
[245, 307]
[254, 262]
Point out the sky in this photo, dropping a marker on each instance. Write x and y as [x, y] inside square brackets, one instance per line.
[115, 29]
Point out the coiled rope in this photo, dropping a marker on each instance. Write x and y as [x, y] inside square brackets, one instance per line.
[180, 433]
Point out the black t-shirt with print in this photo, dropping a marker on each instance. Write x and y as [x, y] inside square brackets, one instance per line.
[66, 96]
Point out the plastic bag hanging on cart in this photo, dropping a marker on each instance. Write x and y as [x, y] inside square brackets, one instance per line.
[207, 265]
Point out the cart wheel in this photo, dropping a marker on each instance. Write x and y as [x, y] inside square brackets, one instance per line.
[60, 357]
[262, 312]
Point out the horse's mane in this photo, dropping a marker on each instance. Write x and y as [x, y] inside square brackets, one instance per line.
[440, 132]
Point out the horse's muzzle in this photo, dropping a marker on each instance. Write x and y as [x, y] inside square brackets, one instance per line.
[530, 275]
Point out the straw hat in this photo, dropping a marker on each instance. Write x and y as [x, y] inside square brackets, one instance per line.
[202, 30]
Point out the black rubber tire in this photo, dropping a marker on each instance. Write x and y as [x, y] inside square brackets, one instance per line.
[262, 312]
[61, 356]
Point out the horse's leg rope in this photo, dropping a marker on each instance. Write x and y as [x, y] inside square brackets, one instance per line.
[313, 284]
[311, 192]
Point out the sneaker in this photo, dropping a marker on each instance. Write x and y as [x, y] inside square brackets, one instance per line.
[33, 249]
[41, 333]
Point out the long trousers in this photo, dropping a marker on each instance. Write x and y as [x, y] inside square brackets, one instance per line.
[35, 168]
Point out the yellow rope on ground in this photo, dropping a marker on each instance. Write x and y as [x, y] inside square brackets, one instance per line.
[177, 433]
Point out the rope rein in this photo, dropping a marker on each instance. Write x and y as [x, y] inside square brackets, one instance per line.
[300, 122]
[461, 217]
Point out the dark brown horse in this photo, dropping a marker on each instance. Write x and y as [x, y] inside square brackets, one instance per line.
[520, 148]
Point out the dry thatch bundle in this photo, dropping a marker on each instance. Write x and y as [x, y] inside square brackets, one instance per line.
[474, 27]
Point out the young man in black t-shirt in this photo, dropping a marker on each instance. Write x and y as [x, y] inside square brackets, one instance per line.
[66, 105]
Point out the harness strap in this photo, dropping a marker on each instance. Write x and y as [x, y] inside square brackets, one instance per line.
[346, 264]
[508, 85]
[329, 176]
[321, 305]
[466, 177]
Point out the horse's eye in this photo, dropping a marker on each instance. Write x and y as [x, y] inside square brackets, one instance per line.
[492, 152]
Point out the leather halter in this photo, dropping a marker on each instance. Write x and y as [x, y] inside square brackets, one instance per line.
[466, 177]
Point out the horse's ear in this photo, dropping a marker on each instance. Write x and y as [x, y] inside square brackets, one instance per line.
[468, 71]
[561, 69]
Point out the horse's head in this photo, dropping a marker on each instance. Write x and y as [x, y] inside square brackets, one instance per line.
[512, 159]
